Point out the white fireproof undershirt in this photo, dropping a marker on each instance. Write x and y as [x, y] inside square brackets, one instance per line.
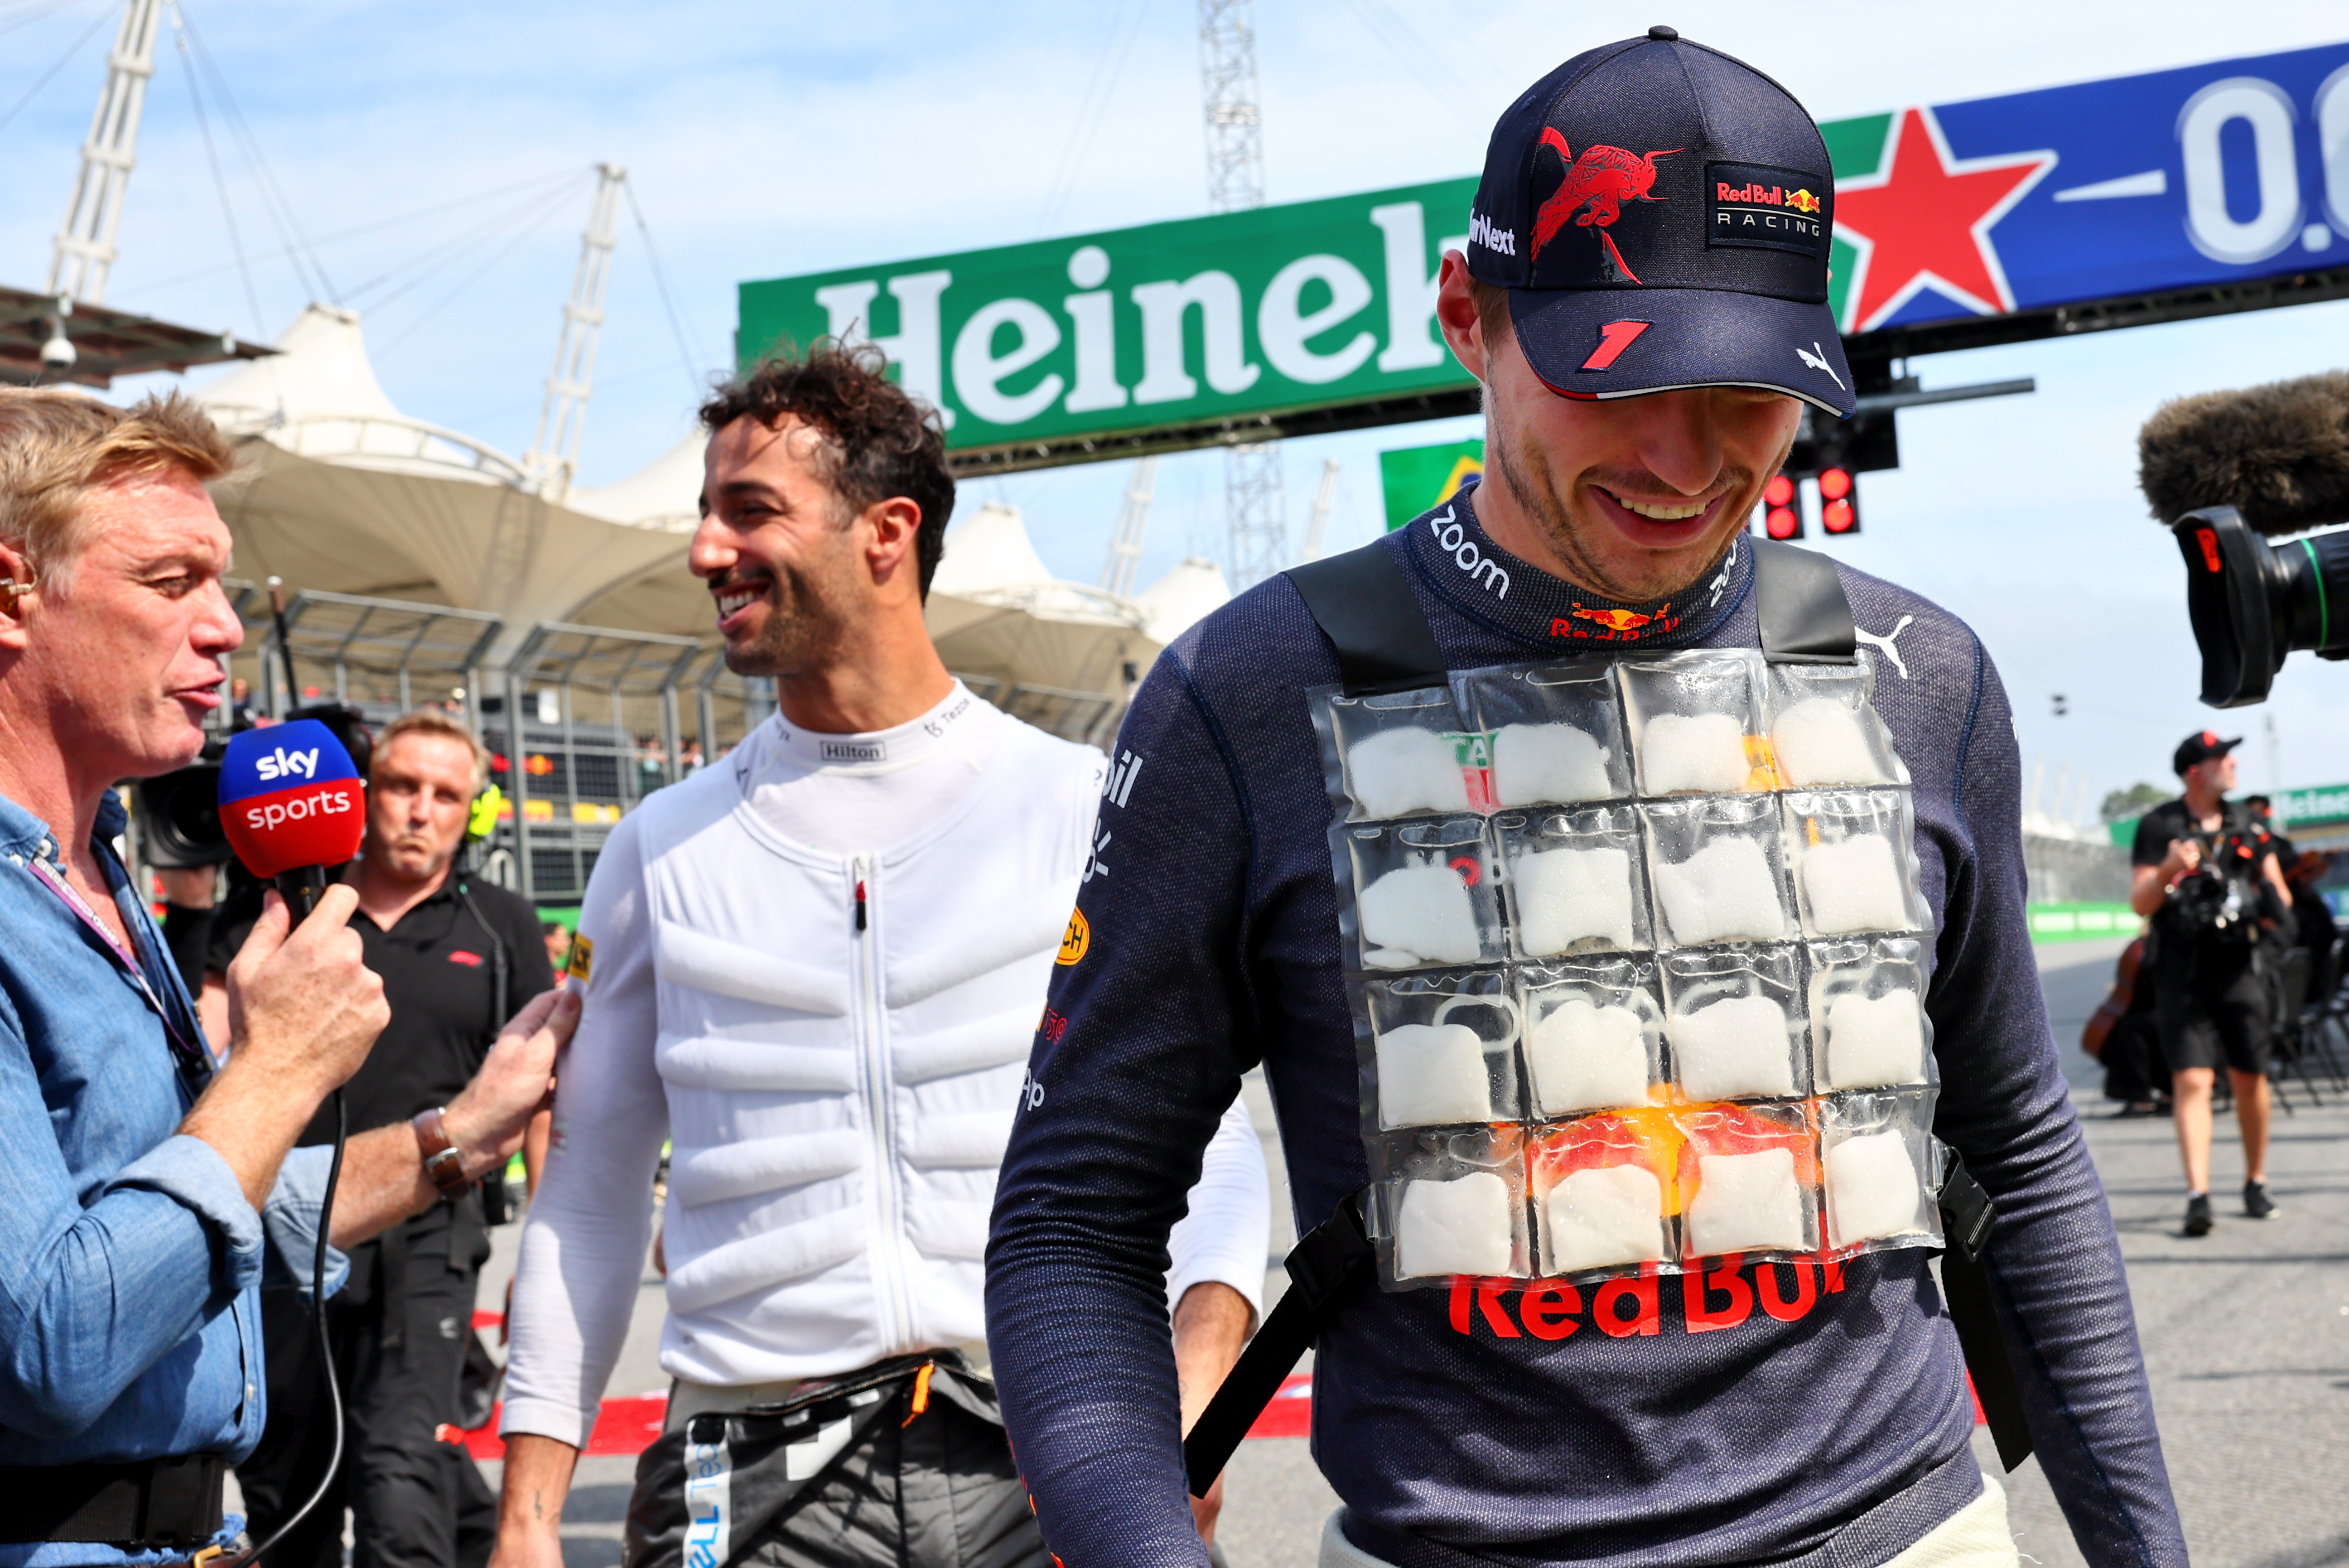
[865, 793]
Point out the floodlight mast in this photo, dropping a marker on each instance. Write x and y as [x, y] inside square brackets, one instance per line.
[553, 455]
[1132, 518]
[1253, 504]
[85, 247]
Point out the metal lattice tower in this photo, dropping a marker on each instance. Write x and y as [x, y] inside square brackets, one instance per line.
[553, 455]
[1125, 544]
[1254, 507]
[85, 245]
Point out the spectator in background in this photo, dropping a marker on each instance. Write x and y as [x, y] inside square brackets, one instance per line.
[2262, 812]
[558, 943]
[2319, 932]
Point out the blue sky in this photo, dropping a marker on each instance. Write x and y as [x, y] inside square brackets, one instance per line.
[766, 140]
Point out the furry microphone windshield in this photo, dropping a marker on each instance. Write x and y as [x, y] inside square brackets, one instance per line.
[2278, 454]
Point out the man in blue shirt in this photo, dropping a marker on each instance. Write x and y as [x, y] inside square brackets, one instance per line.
[152, 1195]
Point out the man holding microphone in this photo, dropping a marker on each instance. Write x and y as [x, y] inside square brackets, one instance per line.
[154, 1195]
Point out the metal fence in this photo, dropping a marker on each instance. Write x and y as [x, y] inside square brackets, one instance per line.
[591, 721]
[2074, 870]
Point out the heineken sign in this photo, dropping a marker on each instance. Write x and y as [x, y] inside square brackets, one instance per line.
[2209, 188]
[1207, 323]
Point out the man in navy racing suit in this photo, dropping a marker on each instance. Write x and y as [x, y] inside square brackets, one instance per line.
[1645, 306]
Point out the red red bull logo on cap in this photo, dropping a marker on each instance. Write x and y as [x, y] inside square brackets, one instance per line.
[1592, 194]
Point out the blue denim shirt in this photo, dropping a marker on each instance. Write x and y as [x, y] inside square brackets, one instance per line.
[130, 1265]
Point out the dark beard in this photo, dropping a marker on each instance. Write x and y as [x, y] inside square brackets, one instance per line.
[805, 630]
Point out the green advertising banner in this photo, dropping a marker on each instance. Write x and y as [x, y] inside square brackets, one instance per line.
[1190, 331]
[1416, 478]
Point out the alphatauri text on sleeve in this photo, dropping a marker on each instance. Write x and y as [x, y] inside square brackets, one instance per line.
[1606, 1425]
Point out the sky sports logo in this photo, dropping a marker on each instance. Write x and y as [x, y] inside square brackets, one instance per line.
[276, 811]
[282, 763]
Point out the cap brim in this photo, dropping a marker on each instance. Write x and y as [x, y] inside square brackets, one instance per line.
[1583, 343]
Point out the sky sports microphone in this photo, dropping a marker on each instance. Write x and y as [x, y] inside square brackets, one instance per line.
[2236, 475]
[293, 807]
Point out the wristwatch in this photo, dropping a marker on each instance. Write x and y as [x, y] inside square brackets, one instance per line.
[441, 1161]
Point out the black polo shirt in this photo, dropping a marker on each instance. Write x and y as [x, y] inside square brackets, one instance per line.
[2238, 849]
[439, 964]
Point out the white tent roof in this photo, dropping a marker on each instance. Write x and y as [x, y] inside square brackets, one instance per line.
[996, 611]
[1187, 595]
[665, 494]
[345, 492]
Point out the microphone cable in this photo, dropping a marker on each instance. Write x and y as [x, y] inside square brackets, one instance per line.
[326, 1349]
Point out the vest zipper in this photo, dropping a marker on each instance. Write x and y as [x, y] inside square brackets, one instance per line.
[889, 1278]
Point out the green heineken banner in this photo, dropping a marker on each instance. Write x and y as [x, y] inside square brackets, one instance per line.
[1214, 324]
[1419, 477]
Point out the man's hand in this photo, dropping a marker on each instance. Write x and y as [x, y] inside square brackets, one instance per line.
[303, 1010]
[530, 1504]
[2185, 855]
[302, 1002]
[1211, 1324]
[383, 1172]
[488, 1119]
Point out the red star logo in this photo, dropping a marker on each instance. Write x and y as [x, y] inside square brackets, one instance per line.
[1923, 219]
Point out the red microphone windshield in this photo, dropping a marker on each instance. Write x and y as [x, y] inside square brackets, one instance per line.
[289, 797]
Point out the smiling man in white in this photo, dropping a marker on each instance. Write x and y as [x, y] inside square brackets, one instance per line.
[817, 966]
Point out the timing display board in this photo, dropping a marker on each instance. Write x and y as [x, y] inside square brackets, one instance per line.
[2196, 191]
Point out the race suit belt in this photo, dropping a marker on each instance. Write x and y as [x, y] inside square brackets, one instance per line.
[1365, 607]
[170, 1504]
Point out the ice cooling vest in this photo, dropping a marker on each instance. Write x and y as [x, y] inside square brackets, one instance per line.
[1634, 948]
[1634, 952]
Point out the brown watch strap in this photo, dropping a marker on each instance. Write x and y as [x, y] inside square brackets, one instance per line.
[441, 1161]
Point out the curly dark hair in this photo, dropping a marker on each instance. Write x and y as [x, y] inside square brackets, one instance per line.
[878, 442]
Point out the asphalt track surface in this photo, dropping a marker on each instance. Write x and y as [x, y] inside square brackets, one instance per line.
[2245, 1335]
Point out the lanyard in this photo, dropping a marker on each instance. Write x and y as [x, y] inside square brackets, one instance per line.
[195, 1061]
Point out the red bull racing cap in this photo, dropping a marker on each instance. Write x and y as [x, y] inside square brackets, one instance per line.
[1660, 214]
[2200, 748]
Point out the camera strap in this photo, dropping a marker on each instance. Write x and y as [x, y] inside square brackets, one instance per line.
[1364, 605]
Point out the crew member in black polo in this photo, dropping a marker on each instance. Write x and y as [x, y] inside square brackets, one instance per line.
[457, 957]
[2205, 873]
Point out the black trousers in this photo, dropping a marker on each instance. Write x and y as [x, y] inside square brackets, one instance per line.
[399, 1350]
[884, 1476]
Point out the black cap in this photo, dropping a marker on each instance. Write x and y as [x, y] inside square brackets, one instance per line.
[2200, 748]
[1660, 215]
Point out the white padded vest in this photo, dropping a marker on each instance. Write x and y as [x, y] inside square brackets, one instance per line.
[840, 1098]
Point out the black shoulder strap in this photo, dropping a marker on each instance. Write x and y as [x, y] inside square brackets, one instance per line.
[1799, 600]
[1966, 1220]
[1363, 604]
[1325, 1269]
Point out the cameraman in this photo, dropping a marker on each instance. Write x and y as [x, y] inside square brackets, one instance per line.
[151, 1193]
[2206, 875]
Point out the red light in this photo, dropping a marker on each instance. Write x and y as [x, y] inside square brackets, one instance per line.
[1782, 523]
[1835, 483]
[1779, 492]
[2209, 543]
[1835, 517]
